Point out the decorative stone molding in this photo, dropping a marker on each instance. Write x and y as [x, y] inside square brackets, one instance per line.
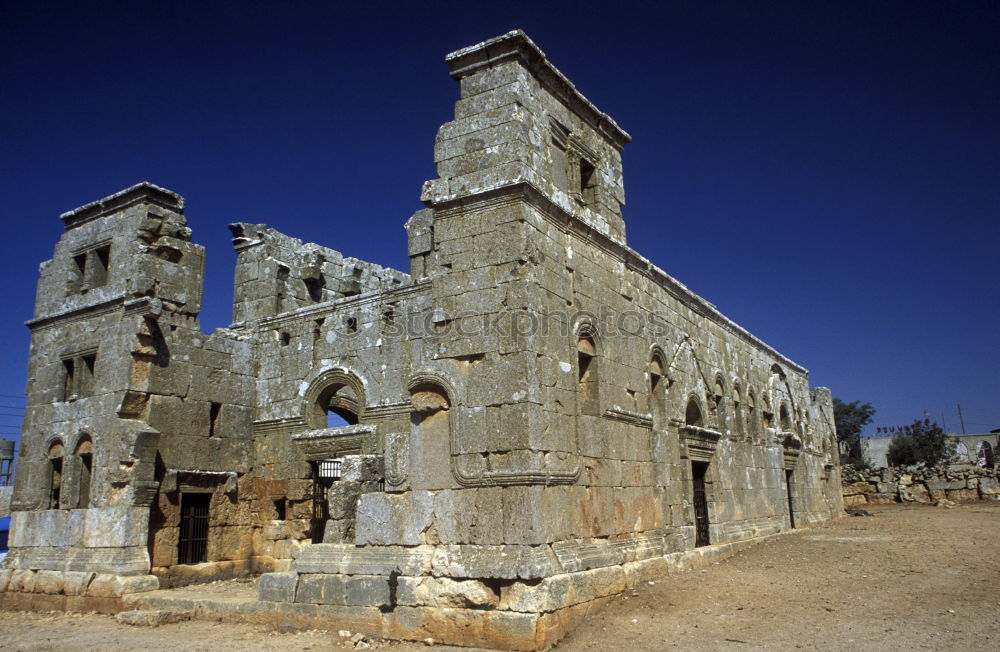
[791, 448]
[700, 442]
[397, 453]
[327, 443]
[618, 413]
[193, 481]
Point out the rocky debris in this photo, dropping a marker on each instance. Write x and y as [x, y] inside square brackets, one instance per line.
[151, 617]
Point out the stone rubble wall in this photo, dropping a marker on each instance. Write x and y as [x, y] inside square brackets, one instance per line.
[919, 485]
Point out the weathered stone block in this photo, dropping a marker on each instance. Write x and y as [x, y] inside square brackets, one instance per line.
[22, 581]
[322, 589]
[47, 581]
[367, 590]
[502, 562]
[550, 594]
[445, 592]
[76, 583]
[387, 519]
[277, 587]
[110, 527]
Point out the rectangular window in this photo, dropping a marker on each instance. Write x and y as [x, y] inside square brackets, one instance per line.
[76, 274]
[69, 380]
[329, 469]
[86, 469]
[90, 269]
[55, 487]
[85, 372]
[588, 182]
[97, 266]
[213, 419]
[78, 376]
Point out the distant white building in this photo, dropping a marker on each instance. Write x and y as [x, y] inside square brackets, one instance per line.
[969, 449]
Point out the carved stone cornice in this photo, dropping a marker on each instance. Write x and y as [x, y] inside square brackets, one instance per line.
[701, 442]
[791, 448]
[327, 443]
[617, 413]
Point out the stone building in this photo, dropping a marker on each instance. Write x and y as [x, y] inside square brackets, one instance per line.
[481, 450]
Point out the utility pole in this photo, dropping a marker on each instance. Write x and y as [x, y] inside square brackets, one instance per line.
[960, 419]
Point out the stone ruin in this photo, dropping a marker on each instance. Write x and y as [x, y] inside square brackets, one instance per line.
[481, 451]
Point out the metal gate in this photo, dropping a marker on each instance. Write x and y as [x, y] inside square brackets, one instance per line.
[193, 545]
[698, 470]
[325, 473]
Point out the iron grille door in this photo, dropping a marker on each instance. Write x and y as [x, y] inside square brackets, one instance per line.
[193, 545]
[700, 504]
[325, 473]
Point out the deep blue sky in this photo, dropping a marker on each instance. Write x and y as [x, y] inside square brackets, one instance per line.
[827, 173]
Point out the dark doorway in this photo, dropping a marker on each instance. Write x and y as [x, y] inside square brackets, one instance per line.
[193, 545]
[698, 471]
[788, 490]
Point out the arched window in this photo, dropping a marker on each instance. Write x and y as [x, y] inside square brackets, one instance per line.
[718, 398]
[692, 415]
[784, 418]
[85, 461]
[738, 411]
[335, 399]
[767, 415]
[55, 464]
[587, 376]
[751, 413]
[657, 392]
[984, 453]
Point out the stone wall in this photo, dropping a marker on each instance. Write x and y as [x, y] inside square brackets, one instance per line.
[921, 485]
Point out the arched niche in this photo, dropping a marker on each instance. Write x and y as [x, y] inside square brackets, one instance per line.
[84, 459]
[431, 417]
[785, 418]
[658, 389]
[738, 416]
[54, 460]
[693, 415]
[588, 387]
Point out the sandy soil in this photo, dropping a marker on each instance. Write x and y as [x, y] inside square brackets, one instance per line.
[908, 577]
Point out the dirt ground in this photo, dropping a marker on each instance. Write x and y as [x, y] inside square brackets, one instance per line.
[908, 577]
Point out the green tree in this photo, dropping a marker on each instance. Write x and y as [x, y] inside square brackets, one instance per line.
[849, 419]
[924, 441]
